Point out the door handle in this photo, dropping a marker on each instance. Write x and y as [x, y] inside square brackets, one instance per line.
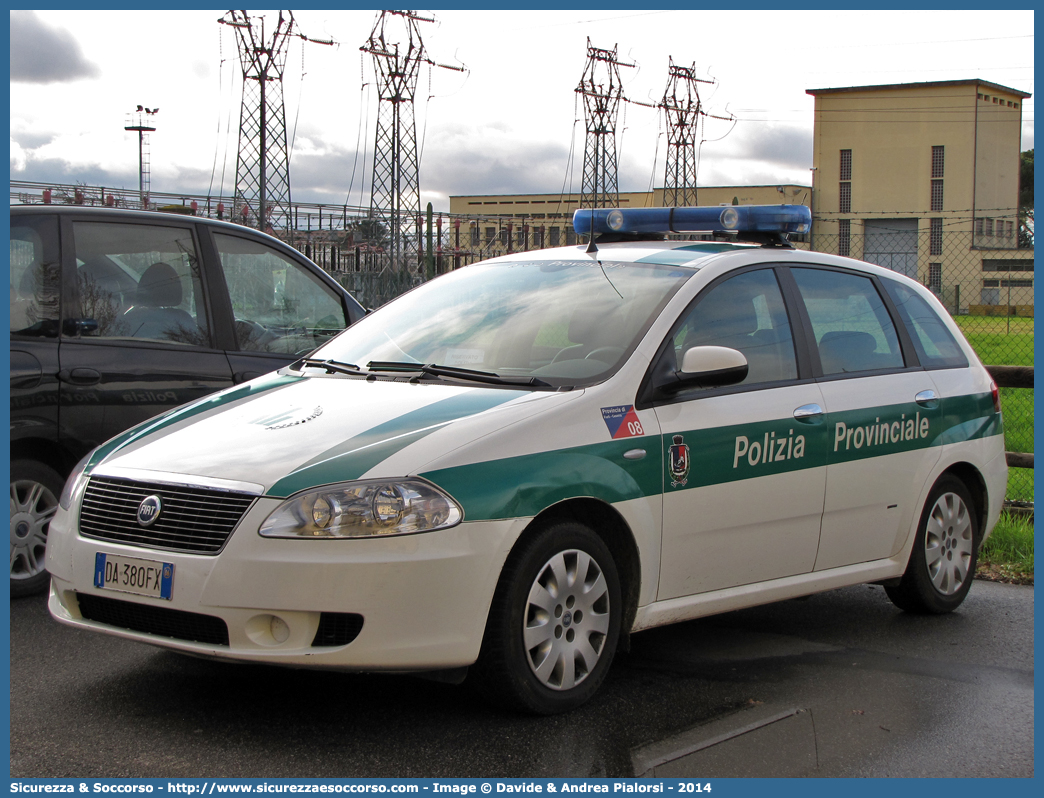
[80, 376]
[927, 399]
[810, 414]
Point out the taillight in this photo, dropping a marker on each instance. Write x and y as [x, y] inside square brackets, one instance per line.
[995, 393]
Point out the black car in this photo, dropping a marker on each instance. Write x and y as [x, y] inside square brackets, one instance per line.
[119, 315]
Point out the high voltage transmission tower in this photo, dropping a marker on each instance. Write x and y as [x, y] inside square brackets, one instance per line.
[602, 91]
[262, 194]
[395, 190]
[681, 105]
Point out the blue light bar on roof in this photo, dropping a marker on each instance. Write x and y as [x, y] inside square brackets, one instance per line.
[727, 219]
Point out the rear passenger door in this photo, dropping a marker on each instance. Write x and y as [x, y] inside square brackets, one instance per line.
[137, 331]
[882, 412]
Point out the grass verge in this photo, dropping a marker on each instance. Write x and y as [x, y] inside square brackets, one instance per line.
[1007, 556]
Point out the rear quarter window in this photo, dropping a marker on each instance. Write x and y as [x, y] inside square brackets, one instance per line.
[936, 347]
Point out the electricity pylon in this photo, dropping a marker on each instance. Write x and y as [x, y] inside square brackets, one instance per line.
[262, 195]
[395, 190]
[681, 105]
[602, 90]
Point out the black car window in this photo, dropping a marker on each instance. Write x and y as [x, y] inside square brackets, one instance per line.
[851, 325]
[139, 282]
[279, 306]
[35, 276]
[935, 345]
[745, 312]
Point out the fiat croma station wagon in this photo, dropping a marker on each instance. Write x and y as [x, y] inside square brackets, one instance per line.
[512, 468]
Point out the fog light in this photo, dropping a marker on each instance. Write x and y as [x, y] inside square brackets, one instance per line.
[280, 631]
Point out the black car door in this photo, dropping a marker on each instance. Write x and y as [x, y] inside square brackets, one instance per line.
[137, 336]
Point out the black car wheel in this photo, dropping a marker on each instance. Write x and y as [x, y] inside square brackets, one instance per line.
[35, 489]
[554, 624]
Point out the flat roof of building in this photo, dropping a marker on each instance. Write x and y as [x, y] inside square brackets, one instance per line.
[972, 82]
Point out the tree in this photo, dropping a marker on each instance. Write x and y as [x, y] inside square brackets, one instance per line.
[1026, 200]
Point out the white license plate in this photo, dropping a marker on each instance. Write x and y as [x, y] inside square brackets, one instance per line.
[134, 575]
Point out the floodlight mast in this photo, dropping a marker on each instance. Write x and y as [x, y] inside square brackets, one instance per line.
[142, 125]
[263, 162]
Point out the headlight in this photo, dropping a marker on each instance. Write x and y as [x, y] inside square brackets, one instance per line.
[364, 509]
[75, 483]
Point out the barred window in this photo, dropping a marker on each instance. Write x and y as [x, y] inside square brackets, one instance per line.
[989, 226]
[844, 239]
[935, 277]
[938, 161]
[555, 233]
[474, 235]
[937, 195]
[845, 198]
[1010, 230]
[978, 227]
[846, 164]
[504, 237]
[491, 233]
[935, 237]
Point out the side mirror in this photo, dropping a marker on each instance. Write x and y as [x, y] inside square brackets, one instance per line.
[706, 367]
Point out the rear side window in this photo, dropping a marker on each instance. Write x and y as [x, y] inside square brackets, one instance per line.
[853, 330]
[35, 276]
[140, 282]
[935, 345]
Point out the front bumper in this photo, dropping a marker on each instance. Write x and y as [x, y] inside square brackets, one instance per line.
[423, 598]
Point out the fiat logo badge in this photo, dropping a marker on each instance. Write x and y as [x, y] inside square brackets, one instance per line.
[149, 510]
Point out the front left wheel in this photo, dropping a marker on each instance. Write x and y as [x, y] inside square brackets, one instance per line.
[35, 489]
[554, 623]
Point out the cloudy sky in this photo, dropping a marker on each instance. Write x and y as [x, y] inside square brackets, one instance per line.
[511, 123]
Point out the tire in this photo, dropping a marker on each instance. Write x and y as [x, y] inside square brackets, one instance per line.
[945, 552]
[554, 623]
[35, 489]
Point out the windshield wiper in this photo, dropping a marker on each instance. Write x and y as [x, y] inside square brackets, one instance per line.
[333, 366]
[455, 372]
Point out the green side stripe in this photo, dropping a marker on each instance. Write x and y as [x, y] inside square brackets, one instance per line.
[525, 485]
[256, 387]
[352, 458]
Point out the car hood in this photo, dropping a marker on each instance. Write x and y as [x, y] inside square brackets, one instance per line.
[283, 433]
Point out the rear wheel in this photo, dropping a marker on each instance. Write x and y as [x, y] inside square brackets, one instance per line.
[554, 624]
[35, 489]
[942, 563]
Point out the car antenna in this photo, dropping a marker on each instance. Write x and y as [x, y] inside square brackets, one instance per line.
[592, 247]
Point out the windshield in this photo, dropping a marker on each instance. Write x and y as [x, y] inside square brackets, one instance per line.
[561, 323]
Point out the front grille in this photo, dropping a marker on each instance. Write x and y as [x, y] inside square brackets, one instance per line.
[160, 621]
[337, 628]
[194, 520]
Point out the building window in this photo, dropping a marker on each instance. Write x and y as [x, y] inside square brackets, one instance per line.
[938, 161]
[538, 238]
[845, 198]
[555, 232]
[844, 239]
[474, 235]
[1016, 283]
[491, 233]
[1010, 230]
[989, 226]
[846, 164]
[978, 227]
[522, 238]
[570, 236]
[1007, 265]
[935, 237]
[937, 195]
[504, 237]
[935, 278]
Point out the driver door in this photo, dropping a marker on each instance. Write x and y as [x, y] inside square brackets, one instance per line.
[281, 311]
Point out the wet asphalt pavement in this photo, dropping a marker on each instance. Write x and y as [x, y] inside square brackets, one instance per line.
[840, 684]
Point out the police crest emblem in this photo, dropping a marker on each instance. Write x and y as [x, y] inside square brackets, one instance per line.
[678, 462]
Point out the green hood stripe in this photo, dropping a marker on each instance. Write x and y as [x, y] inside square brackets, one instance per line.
[352, 458]
[254, 388]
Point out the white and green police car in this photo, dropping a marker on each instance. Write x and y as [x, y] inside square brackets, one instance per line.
[516, 465]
